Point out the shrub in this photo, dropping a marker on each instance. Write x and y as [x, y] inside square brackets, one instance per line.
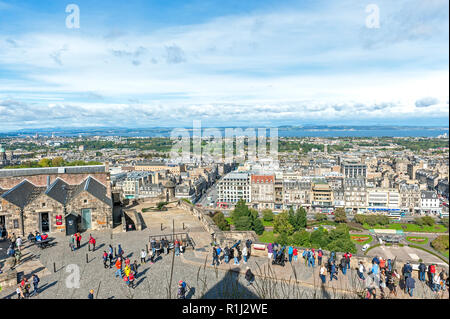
[320, 217]
[221, 222]
[441, 243]
[267, 215]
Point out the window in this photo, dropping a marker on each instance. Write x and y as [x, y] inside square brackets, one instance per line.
[16, 223]
[85, 201]
[43, 204]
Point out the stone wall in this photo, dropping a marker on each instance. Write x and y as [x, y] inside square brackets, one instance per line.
[101, 213]
[205, 220]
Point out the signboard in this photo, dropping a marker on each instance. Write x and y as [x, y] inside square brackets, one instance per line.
[58, 220]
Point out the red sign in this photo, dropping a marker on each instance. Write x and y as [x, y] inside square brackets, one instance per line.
[58, 220]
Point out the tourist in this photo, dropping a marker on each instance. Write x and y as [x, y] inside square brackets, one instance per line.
[431, 272]
[105, 259]
[10, 252]
[436, 283]
[319, 256]
[290, 253]
[322, 274]
[348, 257]
[120, 251]
[91, 242]
[226, 254]
[19, 292]
[153, 245]
[143, 256]
[382, 263]
[239, 253]
[305, 256]
[361, 270]
[36, 281]
[19, 243]
[311, 259]
[126, 280]
[393, 281]
[375, 260]
[442, 276]
[249, 276]
[389, 265]
[134, 267]
[343, 265]
[181, 292]
[119, 267]
[131, 280]
[91, 294]
[111, 256]
[422, 271]
[165, 245]
[270, 251]
[410, 285]
[248, 244]
[245, 254]
[72, 242]
[177, 247]
[295, 253]
[407, 270]
[78, 238]
[333, 271]
[215, 258]
[236, 259]
[219, 251]
[375, 271]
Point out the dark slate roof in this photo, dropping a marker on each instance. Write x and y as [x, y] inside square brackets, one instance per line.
[89, 169]
[93, 187]
[23, 194]
[60, 191]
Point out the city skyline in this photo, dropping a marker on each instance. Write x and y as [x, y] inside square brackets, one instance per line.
[260, 63]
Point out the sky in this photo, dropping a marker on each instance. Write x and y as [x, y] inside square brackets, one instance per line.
[147, 63]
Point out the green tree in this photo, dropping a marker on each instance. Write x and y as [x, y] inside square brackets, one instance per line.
[243, 223]
[221, 222]
[258, 226]
[45, 162]
[301, 238]
[445, 221]
[281, 224]
[428, 220]
[319, 238]
[283, 239]
[160, 206]
[298, 218]
[339, 215]
[267, 215]
[57, 162]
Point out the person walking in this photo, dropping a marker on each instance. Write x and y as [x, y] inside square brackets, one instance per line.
[105, 259]
[410, 285]
[348, 257]
[361, 270]
[393, 282]
[245, 254]
[110, 256]
[343, 265]
[270, 250]
[311, 258]
[91, 243]
[226, 254]
[131, 280]
[295, 253]
[143, 256]
[19, 243]
[422, 271]
[249, 276]
[319, 256]
[78, 239]
[91, 294]
[436, 283]
[290, 253]
[177, 247]
[236, 259]
[36, 281]
[219, 251]
[431, 272]
[119, 267]
[120, 251]
[333, 271]
[322, 274]
[181, 292]
[215, 258]
[153, 245]
[72, 242]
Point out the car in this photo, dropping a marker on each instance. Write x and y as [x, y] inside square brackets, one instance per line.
[365, 247]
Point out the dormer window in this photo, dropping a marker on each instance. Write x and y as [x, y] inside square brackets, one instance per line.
[43, 204]
[85, 201]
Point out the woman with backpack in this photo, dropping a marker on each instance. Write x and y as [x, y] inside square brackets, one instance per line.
[181, 292]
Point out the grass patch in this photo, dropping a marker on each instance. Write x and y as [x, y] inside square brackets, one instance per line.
[267, 223]
[430, 252]
[417, 240]
[361, 239]
[410, 228]
[267, 237]
[229, 220]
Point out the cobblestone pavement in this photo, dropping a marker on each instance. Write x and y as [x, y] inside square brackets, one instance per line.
[225, 281]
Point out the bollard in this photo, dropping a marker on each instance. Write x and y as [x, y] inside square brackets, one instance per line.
[161, 226]
[87, 260]
[54, 267]
[183, 226]
[146, 248]
[115, 251]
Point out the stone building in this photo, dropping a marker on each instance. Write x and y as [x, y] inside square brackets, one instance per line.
[58, 207]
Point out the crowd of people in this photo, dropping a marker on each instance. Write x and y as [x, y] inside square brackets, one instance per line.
[234, 253]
